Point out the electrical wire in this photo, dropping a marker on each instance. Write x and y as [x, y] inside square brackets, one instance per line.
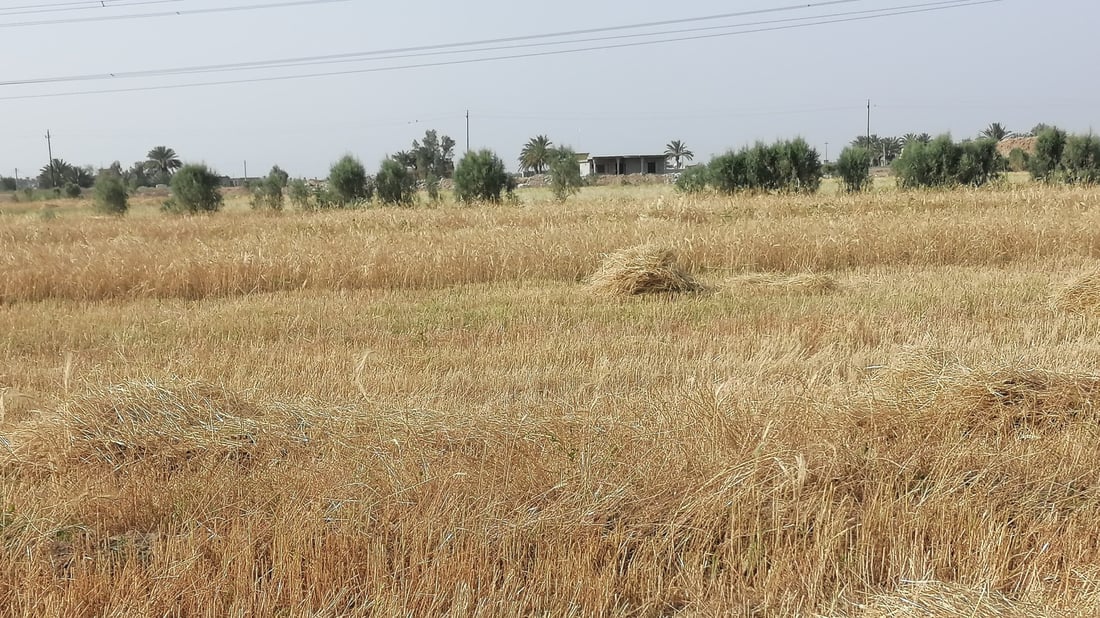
[928, 7]
[440, 50]
[207, 11]
[64, 7]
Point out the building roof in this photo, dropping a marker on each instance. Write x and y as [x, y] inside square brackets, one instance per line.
[628, 156]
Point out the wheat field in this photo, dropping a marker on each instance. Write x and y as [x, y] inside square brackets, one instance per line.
[883, 405]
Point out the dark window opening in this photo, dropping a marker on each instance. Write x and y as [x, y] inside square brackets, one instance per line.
[601, 168]
[651, 167]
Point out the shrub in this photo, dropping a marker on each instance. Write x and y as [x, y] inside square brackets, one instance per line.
[1049, 145]
[979, 162]
[1018, 160]
[693, 179]
[348, 181]
[299, 193]
[195, 189]
[854, 168]
[268, 192]
[72, 190]
[480, 177]
[782, 166]
[395, 184]
[431, 184]
[565, 174]
[8, 184]
[1081, 160]
[110, 194]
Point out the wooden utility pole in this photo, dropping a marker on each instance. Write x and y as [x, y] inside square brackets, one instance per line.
[49, 147]
[868, 122]
[467, 131]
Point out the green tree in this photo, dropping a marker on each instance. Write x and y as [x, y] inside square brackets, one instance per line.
[854, 168]
[394, 183]
[1018, 160]
[8, 184]
[1081, 160]
[161, 163]
[1047, 158]
[536, 153]
[195, 189]
[565, 173]
[678, 152]
[299, 193]
[55, 174]
[693, 179]
[268, 192]
[480, 177]
[434, 156]
[799, 166]
[995, 131]
[348, 181]
[137, 176]
[110, 194]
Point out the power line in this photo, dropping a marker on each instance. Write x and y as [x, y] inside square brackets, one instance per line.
[438, 50]
[928, 7]
[224, 9]
[67, 7]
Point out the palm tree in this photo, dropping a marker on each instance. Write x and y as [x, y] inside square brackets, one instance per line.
[677, 151]
[995, 131]
[163, 161]
[535, 155]
[406, 158]
[890, 147]
[55, 174]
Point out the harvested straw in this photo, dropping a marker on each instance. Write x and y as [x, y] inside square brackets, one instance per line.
[1080, 295]
[1002, 398]
[804, 283]
[647, 269]
[936, 600]
[167, 424]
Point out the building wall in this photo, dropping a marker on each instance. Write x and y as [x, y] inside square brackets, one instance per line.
[627, 165]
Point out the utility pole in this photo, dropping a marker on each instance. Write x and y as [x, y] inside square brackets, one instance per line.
[49, 147]
[467, 131]
[826, 152]
[246, 171]
[868, 122]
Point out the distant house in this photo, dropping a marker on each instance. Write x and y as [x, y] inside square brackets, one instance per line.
[622, 164]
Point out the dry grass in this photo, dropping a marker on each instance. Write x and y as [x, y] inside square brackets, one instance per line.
[647, 269]
[429, 419]
[1080, 295]
[802, 283]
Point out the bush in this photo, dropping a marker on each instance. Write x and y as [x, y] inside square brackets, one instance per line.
[1081, 160]
[268, 192]
[1018, 160]
[565, 173]
[979, 162]
[195, 189]
[110, 194]
[8, 184]
[299, 193]
[480, 177]
[782, 166]
[693, 179]
[348, 182]
[72, 190]
[395, 184]
[1049, 145]
[854, 169]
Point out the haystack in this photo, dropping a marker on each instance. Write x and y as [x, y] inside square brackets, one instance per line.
[992, 400]
[162, 423]
[939, 600]
[1080, 295]
[647, 269]
[803, 283]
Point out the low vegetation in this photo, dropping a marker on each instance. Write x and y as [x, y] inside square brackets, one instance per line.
[195, 189]
[480, 177]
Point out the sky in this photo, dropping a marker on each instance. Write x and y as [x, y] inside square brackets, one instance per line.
[1017, 62]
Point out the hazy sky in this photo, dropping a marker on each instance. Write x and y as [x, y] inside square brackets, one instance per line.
[1019, 62]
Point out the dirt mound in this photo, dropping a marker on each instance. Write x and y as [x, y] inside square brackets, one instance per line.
[1008, 144]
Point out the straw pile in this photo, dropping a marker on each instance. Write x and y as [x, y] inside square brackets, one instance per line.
[167, 424]
[804, 283]
[998, 399]
[936, 600]
[1080, 295]
[647, 269]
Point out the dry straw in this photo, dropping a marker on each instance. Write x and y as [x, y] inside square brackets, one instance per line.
[803, 283]
[990, 400]
[1079, 295]
[647, 269]
[936, 600]
[166, 424]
